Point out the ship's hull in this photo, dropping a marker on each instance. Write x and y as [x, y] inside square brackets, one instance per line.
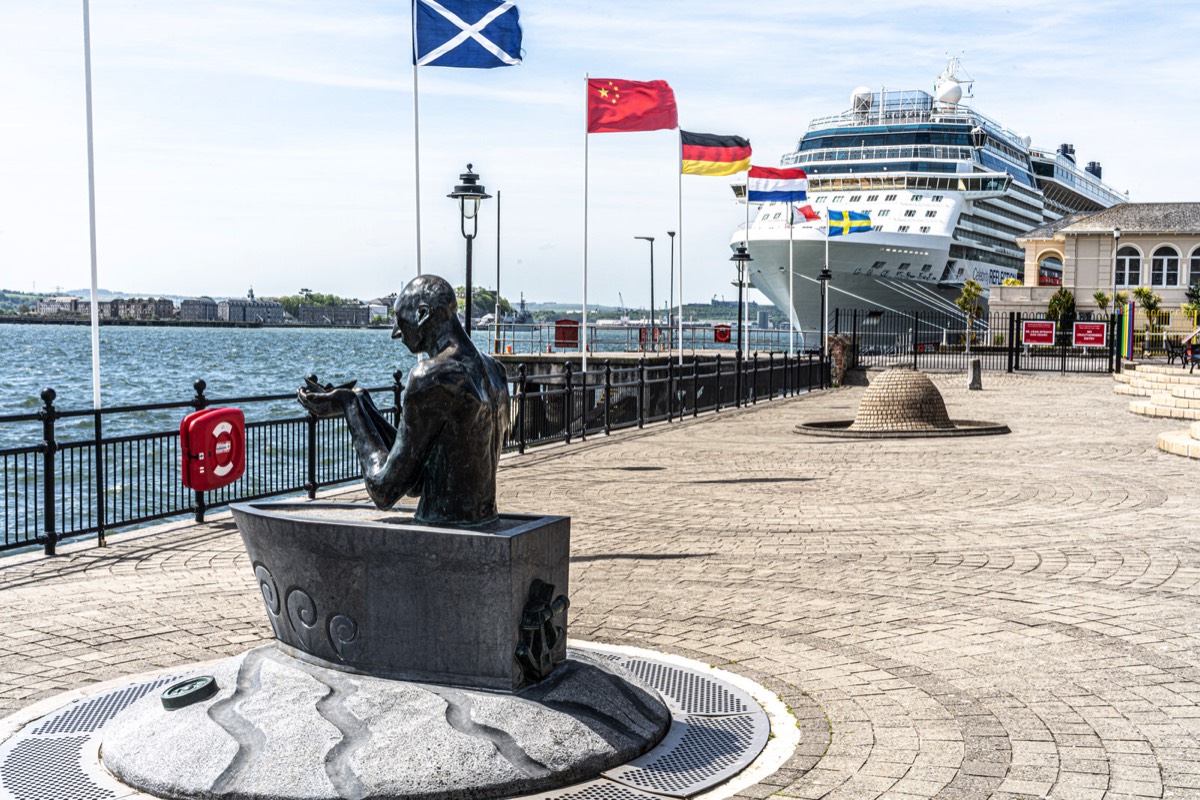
[854, 282]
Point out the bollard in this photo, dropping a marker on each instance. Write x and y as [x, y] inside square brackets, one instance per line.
[49, 448]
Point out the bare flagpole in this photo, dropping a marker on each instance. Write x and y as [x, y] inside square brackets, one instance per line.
[583, 327]
[791, 284]
[417, 135]
[679, 227]
[87, 82]
[496, 317]
[742, 275]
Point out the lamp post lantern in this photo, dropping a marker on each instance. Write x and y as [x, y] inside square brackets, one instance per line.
[653, 337]
[825, 277]
[741, 257]
[468, 194]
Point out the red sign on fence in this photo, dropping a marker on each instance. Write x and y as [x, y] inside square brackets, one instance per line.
[1037, 331]
[1090, 334]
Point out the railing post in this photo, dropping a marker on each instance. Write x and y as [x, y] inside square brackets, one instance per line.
[521, 406]
[737, 379]
[101, 493]
[695, 386]
[641, 392]
[1017, 341]
[809, 381]
[1012, 341]
[608, 397]
[915, 334]
[718, 382]
[771, 376]
[854, 338]
[397, 391]
[199, 401]
[670, 384]
[310, 483]
[1114, 351]
[584, 403]
[568, 405]
[49, 447]
[754, 381]
[837, 330]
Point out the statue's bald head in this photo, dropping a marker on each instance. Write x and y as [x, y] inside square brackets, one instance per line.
[422, 306]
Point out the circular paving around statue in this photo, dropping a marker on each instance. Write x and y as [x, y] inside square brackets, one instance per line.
[594, 725]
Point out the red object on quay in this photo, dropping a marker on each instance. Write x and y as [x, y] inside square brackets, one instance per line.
[212, 446]
[721, 334]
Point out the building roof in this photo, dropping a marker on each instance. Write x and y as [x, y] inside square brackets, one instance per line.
[1048, 230]
[1141, 218]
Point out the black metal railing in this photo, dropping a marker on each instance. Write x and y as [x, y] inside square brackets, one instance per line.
[937, 340]
[65, 478]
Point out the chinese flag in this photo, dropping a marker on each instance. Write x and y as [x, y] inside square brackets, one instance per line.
[615, 105]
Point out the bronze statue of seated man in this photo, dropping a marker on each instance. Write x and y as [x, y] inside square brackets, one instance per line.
[453, 422]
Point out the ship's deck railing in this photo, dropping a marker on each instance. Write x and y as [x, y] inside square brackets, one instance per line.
[910, 115]
[923, 151]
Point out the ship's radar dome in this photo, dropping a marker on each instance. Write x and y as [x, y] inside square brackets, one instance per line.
[861, 98]
[1027, 140]
[948, 91]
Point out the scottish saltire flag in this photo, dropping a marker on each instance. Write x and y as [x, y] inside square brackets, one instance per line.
[476, 34]
[769, 185]
[844, 223]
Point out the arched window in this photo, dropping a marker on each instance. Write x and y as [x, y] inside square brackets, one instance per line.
[1129, 267]
[1050, 271]
[1194, 272]
[1164, 267]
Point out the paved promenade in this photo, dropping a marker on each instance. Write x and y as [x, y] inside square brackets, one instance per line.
[1006, 616]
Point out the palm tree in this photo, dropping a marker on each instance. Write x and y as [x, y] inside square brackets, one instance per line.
[1102, 299]
[968, 303]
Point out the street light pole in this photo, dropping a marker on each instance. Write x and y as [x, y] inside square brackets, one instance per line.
[741, 257]
[468, 194]
[671, 299]
[653, 338]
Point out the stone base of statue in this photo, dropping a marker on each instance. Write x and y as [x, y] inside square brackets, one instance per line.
[284, 728]
[412, 661]
[354, 588]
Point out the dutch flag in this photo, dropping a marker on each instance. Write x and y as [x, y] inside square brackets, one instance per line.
[769, 185]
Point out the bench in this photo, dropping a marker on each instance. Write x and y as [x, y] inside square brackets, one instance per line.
[1176, 350]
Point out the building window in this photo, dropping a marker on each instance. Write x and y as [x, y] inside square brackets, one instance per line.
[1194, 272]
[926, 267]
[872, 198]
[854, 198]
[931, 213]
[822, 199]
[924, 229]
[839, 198]
[937, 198]
[878, 264]
[903, 229]
[1129, 267]
[1164, 267]
[917, 198]
[912, 212]
[904, 266]
[890, 198]
[885, 211]
[777, 213]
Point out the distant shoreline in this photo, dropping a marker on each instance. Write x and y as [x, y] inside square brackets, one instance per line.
[168, 323]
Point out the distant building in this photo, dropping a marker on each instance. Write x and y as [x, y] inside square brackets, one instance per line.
[267, 312]
[381, 306]
[1155, 245]
[198, 309]
[65, 304]
[137, 308]
[345, 314]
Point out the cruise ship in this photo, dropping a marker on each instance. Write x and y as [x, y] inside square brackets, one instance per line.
[947, 189]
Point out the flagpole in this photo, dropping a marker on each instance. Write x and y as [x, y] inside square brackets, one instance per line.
[745, 310]
[679, 227]
[791, 285]
[824, 287]
[583, 332]
[417, 137]
[95, 305]
[496, 317]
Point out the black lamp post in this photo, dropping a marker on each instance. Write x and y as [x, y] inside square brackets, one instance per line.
[825, 277]
[468, 194]
[653, 338]
[741, 257]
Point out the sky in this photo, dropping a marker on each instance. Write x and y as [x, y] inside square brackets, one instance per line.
[270, 143]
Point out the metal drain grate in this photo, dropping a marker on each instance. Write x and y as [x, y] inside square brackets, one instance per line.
[698, 752]
[597, 790]
[94, 713]
[49, 769]
[694, 692]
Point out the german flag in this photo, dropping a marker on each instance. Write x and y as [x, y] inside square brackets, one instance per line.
[710, 154]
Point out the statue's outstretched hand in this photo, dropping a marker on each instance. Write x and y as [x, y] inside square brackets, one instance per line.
[327, 400]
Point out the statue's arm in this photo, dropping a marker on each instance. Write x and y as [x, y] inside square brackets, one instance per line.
[391, 473]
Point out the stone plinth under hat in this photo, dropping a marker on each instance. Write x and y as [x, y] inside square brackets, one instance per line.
[901, 403]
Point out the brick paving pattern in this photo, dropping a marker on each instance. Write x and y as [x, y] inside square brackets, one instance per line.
[1003, 616]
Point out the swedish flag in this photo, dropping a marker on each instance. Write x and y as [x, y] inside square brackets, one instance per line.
[844, 223]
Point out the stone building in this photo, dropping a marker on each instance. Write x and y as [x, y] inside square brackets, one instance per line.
[266, 312]
[65, 304]
[198, 309]
[1155, 245]
[137, 308]
[345, 314]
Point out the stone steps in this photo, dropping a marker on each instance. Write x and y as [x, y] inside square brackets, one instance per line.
[1182, 443]
[1165, 369]
[1173, 400]
[1148, 408]
[1147, 380]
